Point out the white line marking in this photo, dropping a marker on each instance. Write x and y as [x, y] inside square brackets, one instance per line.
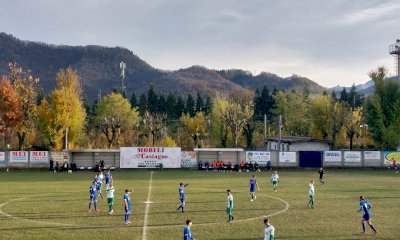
[36, 221]
[146, 212]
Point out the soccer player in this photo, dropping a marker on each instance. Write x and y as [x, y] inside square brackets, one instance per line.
[253, 184]
[269, 230]
[275, 180]
[311, 194]
[182, 197]
[187, 234]
[110, 197]
[321, 175]
[99, 183]
[127, 205]
[366, 206]
[229, 206]
[108, 177]
[93, 196]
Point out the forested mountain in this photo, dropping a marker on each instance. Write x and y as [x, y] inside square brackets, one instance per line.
[98, 68]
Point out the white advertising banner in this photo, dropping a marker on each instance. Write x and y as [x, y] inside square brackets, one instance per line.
[188, 159]
[2, 157]
[352, 156]
[150, 157]
[288, 157]
[59, 156]
[372, 155]
[333, 156]
[260, 157]
[39, 156]
[19, 156]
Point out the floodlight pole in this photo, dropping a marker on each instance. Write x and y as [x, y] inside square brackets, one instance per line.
[122, 66]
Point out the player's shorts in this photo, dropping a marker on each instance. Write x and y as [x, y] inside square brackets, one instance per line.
[229, 211]
[93, 197]
[274, 182]
[252, 189]
[182, 200]
[99, 186]
[107, 181]
[127, 211]
[366, 217]
[110, 200]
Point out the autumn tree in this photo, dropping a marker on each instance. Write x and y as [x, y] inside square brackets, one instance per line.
[238, 110]
[63, 116]
[293, 106]
[195, 126]
[114, 115]
[10, 108]
[154, 123]
[352, 125]
[220, 129]
[383, 110]
[26, 87]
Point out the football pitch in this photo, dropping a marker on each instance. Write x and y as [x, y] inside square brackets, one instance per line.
[45, 205]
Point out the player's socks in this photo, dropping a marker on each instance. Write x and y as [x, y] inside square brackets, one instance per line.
[363, 227]
[90, 204]
[101, 195]
[183, 209]
[373, 228]
[95, 205]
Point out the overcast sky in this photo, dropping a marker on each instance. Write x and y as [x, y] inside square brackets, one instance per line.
[333, 42]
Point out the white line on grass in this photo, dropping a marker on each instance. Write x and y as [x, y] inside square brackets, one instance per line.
[144, 236]
[36, 221]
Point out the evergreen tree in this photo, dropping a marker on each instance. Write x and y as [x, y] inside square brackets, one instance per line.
[333, 95]
[180, 107]
[152, 100]
[264, 100]
[208, 106]
[344, 96]
[142, 104]
[199, 103]
[162, 105]
[383, 111]
[257, 105]
[190, 106]
[170, 106]
[351, 100]
[133, 100]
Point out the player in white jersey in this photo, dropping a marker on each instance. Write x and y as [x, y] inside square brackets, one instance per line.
[275, 180]
[269, 230]
[110, 197]
[311, 193]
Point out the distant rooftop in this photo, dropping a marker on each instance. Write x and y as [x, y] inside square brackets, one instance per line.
[293, 139]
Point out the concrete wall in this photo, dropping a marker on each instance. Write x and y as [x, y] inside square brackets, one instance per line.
[88, 158]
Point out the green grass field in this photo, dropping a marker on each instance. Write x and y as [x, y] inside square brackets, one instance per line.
[43, 205]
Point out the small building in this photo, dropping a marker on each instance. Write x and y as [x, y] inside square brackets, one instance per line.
[295, 143]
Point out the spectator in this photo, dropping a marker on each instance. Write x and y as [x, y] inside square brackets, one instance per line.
[256, 168]
[101, 165]
[269, 165]
[65, 167]
[250, 166]
[242, 166]
[51, 165]
[73, 166]
[57, 168]
[207, 165]
[229, 166]
[200, 165]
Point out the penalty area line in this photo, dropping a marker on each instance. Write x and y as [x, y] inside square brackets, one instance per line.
[146, 212]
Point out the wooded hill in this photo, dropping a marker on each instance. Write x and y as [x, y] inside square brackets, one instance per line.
[98, 68]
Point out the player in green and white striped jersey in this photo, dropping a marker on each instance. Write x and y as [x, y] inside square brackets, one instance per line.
[275, 180]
